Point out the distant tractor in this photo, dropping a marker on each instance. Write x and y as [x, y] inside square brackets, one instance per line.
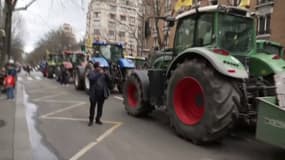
[212, 79]
[71, 59]
[110, 57]
[53, 61]
[270, 47]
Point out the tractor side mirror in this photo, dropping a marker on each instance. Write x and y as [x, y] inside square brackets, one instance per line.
[147, 30]
[171, 21]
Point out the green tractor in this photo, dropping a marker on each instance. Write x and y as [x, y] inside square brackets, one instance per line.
[270, 47]
[212, 79]
[53, 62]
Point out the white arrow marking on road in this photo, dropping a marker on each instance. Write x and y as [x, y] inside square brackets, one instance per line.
[119, 98]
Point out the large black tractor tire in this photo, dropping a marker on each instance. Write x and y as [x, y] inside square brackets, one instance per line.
[201, 102]
[78, 83]
[133, 98]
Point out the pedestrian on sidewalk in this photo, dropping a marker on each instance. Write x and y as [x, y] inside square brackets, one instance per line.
[99, 91]
[10, 84]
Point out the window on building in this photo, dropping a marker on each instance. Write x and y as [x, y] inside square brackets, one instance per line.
[97, 14]
[263, 24]
[111, 34]
[113, 7]
[132, 20]
[111, 24]
[112, 16]
[122, 34]
[167, 5]
[123, 18]
[97, 32]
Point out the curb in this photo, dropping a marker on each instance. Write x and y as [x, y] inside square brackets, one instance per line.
[22, 144]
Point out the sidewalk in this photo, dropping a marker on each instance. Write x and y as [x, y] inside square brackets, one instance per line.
[14, 135]
[7, 123]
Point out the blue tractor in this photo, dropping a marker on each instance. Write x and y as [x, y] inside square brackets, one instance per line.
[111, 58]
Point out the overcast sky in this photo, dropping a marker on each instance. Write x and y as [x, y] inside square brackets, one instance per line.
[45, 15]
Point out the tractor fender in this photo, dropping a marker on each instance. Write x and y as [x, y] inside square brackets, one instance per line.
[126, 63]
[264, 64]
[142, 76]
[224, 64]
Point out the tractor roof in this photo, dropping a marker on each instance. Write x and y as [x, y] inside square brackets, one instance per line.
[268, 42]
[101, 43]
[220, 8]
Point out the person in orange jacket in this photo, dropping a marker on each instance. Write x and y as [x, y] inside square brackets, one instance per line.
[10, 83]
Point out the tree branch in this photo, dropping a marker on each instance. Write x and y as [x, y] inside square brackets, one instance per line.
[26, 7]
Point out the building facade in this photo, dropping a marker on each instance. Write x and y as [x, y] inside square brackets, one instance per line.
[269, 14]
[115, 21]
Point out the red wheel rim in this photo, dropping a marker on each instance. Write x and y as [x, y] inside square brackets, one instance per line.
[189, 101]
[132, 95]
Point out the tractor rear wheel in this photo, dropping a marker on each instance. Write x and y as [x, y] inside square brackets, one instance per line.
[86, 80]
[133, 98]
[200, 102]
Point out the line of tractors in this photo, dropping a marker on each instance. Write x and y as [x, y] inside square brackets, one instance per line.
[76, 65]
[216, 76]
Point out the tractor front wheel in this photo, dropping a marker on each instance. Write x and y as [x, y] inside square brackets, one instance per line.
[133, 98]
[200, 101]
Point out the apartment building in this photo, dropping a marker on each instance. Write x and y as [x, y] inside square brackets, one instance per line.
[270, 20]
[115, 21]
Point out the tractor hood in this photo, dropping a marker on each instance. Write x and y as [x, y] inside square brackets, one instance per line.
[126, 63]
[67, 65]
[263, 64]
[103, 62]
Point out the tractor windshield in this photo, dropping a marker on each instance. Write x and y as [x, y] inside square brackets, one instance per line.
[235, 34]
[110, 51]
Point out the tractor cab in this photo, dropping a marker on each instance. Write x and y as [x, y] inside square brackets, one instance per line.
[224, 30]
[110, 51]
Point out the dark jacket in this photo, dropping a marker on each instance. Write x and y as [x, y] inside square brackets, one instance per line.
[98, 85]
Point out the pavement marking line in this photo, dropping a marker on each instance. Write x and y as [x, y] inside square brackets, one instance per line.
[38, 78]
[65, 118]
[49, 96]
[119, 98]
[62, 110]
[20, 78]
[29, 78]
[58, 101]
[88, 147]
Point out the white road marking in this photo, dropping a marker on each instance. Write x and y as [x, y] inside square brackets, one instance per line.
[119, 98]
[20, 78]
[38, 78]
[64, 118]
[49, 96]
[29, 78]
[63, 109]
[84, 150]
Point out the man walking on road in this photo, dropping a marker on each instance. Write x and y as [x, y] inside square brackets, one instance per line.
[99, 91]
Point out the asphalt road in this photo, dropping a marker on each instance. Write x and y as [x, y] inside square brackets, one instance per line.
[57, 119]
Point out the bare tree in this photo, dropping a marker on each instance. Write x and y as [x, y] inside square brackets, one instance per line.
[55, 41]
